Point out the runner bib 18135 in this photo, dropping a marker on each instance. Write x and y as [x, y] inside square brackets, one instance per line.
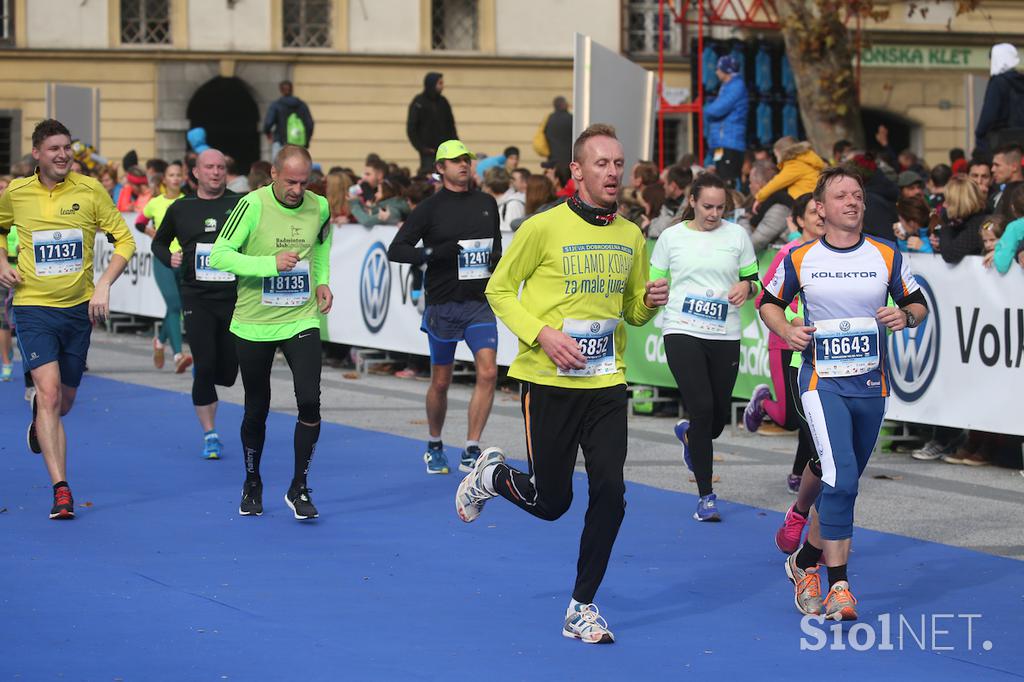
[707, 313]
[288, 289]
[57, 252]
[205, 273]
[596, 341]
[475, 258]
[844, 348]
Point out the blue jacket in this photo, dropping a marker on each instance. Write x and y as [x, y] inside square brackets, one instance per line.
[725, 119]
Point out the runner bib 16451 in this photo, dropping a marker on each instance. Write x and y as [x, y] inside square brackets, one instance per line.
[705, 313]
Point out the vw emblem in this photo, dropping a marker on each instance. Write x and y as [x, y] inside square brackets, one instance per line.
[375, 287]
[914, 353]
[56, 236]
[844, 326]
[710, 293]
[595, 327]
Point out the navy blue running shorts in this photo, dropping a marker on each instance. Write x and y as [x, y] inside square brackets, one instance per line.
[61, 335]
[448, 323]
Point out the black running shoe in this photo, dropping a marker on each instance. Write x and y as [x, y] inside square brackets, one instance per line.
[301, 505]
[30, 437]
[63, 504]
[252, 499]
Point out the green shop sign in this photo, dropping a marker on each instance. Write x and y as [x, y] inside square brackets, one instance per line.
[645, 348]
[925, 57]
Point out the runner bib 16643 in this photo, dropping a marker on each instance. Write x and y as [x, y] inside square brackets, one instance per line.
[845, 348]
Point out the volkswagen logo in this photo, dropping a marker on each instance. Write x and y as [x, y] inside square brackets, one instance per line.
[56, 236]
[844, 326]
[914, 353]
[375, 287]
[710, 293]
[595, 327]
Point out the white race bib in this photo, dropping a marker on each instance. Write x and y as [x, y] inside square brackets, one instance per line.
[205, 273]
[596, 340]
[288, 289]
[845, 348]
[475, 258]
[705, 313]
[57, 252]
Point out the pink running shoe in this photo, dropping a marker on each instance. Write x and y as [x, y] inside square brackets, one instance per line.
[787, 538]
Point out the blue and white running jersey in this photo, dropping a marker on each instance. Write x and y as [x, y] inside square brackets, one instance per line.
[842, 290]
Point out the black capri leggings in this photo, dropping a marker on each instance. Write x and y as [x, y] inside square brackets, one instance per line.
[255, 359]
[213, 347]
[705, 372]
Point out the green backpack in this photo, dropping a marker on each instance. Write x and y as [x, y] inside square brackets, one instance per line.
[296, 130]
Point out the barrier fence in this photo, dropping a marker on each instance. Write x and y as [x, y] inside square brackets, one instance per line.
[959, 368]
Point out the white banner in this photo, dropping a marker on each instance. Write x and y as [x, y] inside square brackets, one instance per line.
[961, 366]
[372, 303]
[135, 292]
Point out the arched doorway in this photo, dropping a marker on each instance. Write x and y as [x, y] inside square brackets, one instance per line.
[903, 133]
[227, 110]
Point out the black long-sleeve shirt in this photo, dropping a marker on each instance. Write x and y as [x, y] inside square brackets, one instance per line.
[195, 221]
[442, 219]
[959, 238]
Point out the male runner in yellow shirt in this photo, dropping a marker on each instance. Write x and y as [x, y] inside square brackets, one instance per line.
[57, 213]
[582, 270]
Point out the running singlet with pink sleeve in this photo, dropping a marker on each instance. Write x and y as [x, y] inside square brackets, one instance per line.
[841, 291]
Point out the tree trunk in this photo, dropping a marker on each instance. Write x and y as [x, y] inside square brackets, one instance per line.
[818, 48]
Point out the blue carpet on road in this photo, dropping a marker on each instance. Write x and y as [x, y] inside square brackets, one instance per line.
[159, 578]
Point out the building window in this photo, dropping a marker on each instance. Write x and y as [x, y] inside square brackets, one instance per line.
[307, 23]
[454, 25]
[641, 39]
[146, 22]
[6, 137]
[6, 22]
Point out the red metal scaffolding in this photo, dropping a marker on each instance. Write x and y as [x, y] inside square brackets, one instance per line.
[750, 14]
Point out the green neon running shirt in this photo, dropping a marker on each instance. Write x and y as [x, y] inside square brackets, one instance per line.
[274, 306]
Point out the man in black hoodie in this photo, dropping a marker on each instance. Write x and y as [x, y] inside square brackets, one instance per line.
[430, 121]
[275, 126]
[1002, 115]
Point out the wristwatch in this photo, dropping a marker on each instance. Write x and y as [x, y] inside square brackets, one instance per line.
[911, 320]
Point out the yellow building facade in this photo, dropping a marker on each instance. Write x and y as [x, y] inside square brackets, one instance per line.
[358, 64]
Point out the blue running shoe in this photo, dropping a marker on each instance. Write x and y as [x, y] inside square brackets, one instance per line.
[6, 372]
[211, 446]
[682, 426]
[707, 509]
[436, 461]
[468, 459]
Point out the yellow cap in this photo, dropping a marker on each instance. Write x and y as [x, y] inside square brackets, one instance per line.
[452, 149]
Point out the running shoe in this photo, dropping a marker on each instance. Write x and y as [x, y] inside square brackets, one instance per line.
[839, 602]
[30, 437]
[435, 459]
[182, 361]
[158, 354]
[928, 452]
[472, 494]
[211, 446]
[63, 504]
[808, 587]
[252, 499]
[787, 538]
[976, 459]
[707, 509]
[753, 415]
[959, 456]
[682, 426]
[585, 623]
[6, 372]
[793, 483]
[301, 505]
[469, 457]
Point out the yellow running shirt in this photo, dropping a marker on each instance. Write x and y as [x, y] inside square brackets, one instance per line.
[57, 233]
[583, 279]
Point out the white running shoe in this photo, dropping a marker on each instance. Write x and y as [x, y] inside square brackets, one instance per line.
[930, 451]
[471, 495]
[586, 623]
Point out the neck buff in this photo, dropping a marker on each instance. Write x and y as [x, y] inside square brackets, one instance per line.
[593, 214]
